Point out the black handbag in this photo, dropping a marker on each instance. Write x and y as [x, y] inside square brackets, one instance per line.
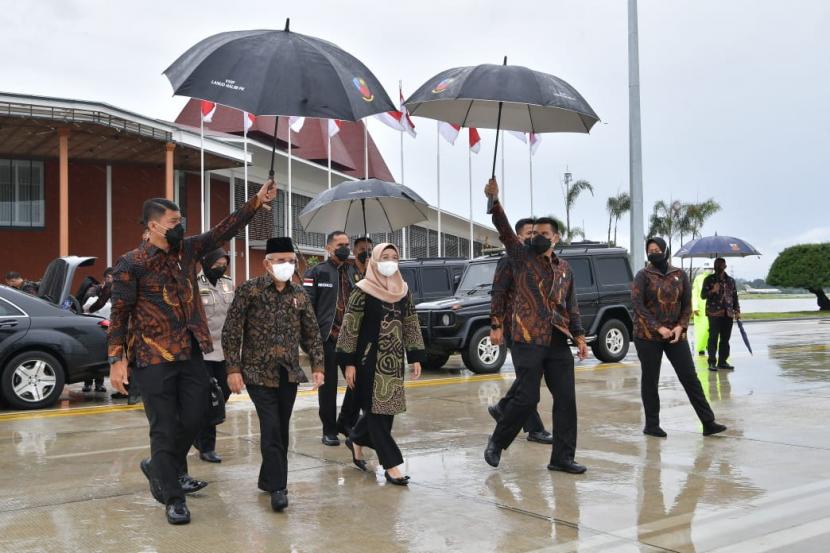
[216, 403]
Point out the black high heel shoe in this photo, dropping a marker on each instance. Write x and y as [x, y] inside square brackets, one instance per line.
[403, 481]
[359, 463]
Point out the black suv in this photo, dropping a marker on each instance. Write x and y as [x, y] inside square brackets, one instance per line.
[433, 278]
[461, 323]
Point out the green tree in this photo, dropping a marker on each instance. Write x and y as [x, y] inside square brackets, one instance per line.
[572, 193]
[617, 206]
[804, 266]
[665, 220]
[698, 213]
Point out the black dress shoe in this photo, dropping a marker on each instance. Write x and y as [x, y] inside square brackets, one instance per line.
[655, 431]
[118, 395]
[492, 454]
[402, 481]
[100, 389]
[359, 463]
[178, 513]
[330, 440]
[190, 484]
[279, 500]
[712, 366]
[713, 428]
[726, 366]
[345, 430]
[210, 457]
[87, 388]
[132, 399]
[541, 437]
[495, 412]
[568, 466]
[155, 485]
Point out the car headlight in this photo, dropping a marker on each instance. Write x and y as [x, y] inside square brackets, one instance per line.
[446, 319]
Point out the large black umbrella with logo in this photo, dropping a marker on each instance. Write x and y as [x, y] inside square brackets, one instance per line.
[509, 97]
[283, 73]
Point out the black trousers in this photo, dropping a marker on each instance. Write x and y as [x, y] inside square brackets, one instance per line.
[99, 381]
[273, 407]
[175, 401]
[679, 355]
[372, 430]
[720, 332]
[556, 363]
[327, 396]
[206, 440]
[534, 421]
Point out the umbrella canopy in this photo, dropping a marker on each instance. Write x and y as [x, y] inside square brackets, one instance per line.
[532, 101]
[267, 72]
[744, 336]
[364, 206]
[717, 246]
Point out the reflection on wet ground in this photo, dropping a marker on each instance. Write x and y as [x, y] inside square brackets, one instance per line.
[70, 477]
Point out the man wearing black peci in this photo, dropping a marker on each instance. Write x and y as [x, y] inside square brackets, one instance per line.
[157, 310]
[545, 316]
[501, 319]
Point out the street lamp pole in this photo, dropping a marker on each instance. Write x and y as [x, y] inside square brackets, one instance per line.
[635, 162]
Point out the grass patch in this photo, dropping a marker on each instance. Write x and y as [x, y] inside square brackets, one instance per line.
[785, 315]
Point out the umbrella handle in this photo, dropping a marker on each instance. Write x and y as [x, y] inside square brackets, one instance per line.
[491, 201]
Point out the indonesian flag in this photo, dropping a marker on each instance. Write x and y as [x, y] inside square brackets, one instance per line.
[535, 139]
[391, 119]
[475, 140]
[208, 109]
[406, 120]
[296, 123]
[334, 127]
[248, 120]
[519, 136]
[449, 131]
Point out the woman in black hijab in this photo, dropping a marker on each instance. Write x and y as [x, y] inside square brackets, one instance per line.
[662, 301]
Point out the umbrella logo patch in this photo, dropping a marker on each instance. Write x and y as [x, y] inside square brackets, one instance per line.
[735, 247]
[442, 86]
[363, 89]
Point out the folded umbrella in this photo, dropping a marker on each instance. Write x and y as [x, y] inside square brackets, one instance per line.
[743, 335]
[717, 246]
[509, 97]
[364, 206]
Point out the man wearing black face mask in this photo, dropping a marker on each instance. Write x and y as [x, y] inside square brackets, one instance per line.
[722, 307]
[216, 292]
[157, 311]
[362, 251]
[328, 285]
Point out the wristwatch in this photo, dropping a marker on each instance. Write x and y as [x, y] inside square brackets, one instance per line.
[114, 359]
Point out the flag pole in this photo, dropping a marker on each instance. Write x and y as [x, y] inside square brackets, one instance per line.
[438, 181]
[470, 179]
[247, 235]
[366, 148]
[404, 244]
[530, 163]
[202, 155]
[290, 219]
[328, 133]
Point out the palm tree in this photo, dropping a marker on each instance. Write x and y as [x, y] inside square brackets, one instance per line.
[623, 207]
[665, 220]
[572, 192]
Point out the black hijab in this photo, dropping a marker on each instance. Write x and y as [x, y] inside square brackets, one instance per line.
[661, 261]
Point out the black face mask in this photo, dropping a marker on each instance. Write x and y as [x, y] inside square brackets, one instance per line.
[538, 244]
[659, 261]
[342, 253]
[174, 237]
[363, 256]
[214, 274]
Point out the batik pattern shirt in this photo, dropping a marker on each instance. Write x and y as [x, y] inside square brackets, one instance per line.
[158, 292]
[264, 330]
[723, 301]
[660, 300]
[501, 299]
[544, 297]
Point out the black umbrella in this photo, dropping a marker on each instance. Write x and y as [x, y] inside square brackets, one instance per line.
[508, 97]
[743, 335]
[267, 72]
[369, 205]
[717, 246]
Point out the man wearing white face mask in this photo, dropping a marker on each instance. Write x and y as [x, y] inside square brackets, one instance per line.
[269, 319]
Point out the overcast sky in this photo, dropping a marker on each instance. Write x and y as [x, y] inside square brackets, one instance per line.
[734, 93]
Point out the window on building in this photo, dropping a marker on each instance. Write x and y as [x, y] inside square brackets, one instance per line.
[22, 202]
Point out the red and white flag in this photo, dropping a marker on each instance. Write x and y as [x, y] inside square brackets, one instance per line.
[248, 120]
[519, 136]
[535, 139]
[208, 109]
[406, 120]
[475, 140]
[334, 127]
[391, 119]
[449, 131]
[296, 123]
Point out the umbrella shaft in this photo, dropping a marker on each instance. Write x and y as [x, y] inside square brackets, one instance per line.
[491, 201]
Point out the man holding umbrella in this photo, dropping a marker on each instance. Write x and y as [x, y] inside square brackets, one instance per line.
[722, 308]
[545, 317]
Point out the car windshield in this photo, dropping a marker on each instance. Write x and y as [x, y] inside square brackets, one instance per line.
[477, 278]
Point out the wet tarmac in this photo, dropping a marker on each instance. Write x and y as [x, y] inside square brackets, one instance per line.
[70, 481]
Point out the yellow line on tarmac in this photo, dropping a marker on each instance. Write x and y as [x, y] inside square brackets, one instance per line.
[427, 383]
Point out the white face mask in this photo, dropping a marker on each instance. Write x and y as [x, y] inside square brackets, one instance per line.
[387, 268]
[283, 271]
